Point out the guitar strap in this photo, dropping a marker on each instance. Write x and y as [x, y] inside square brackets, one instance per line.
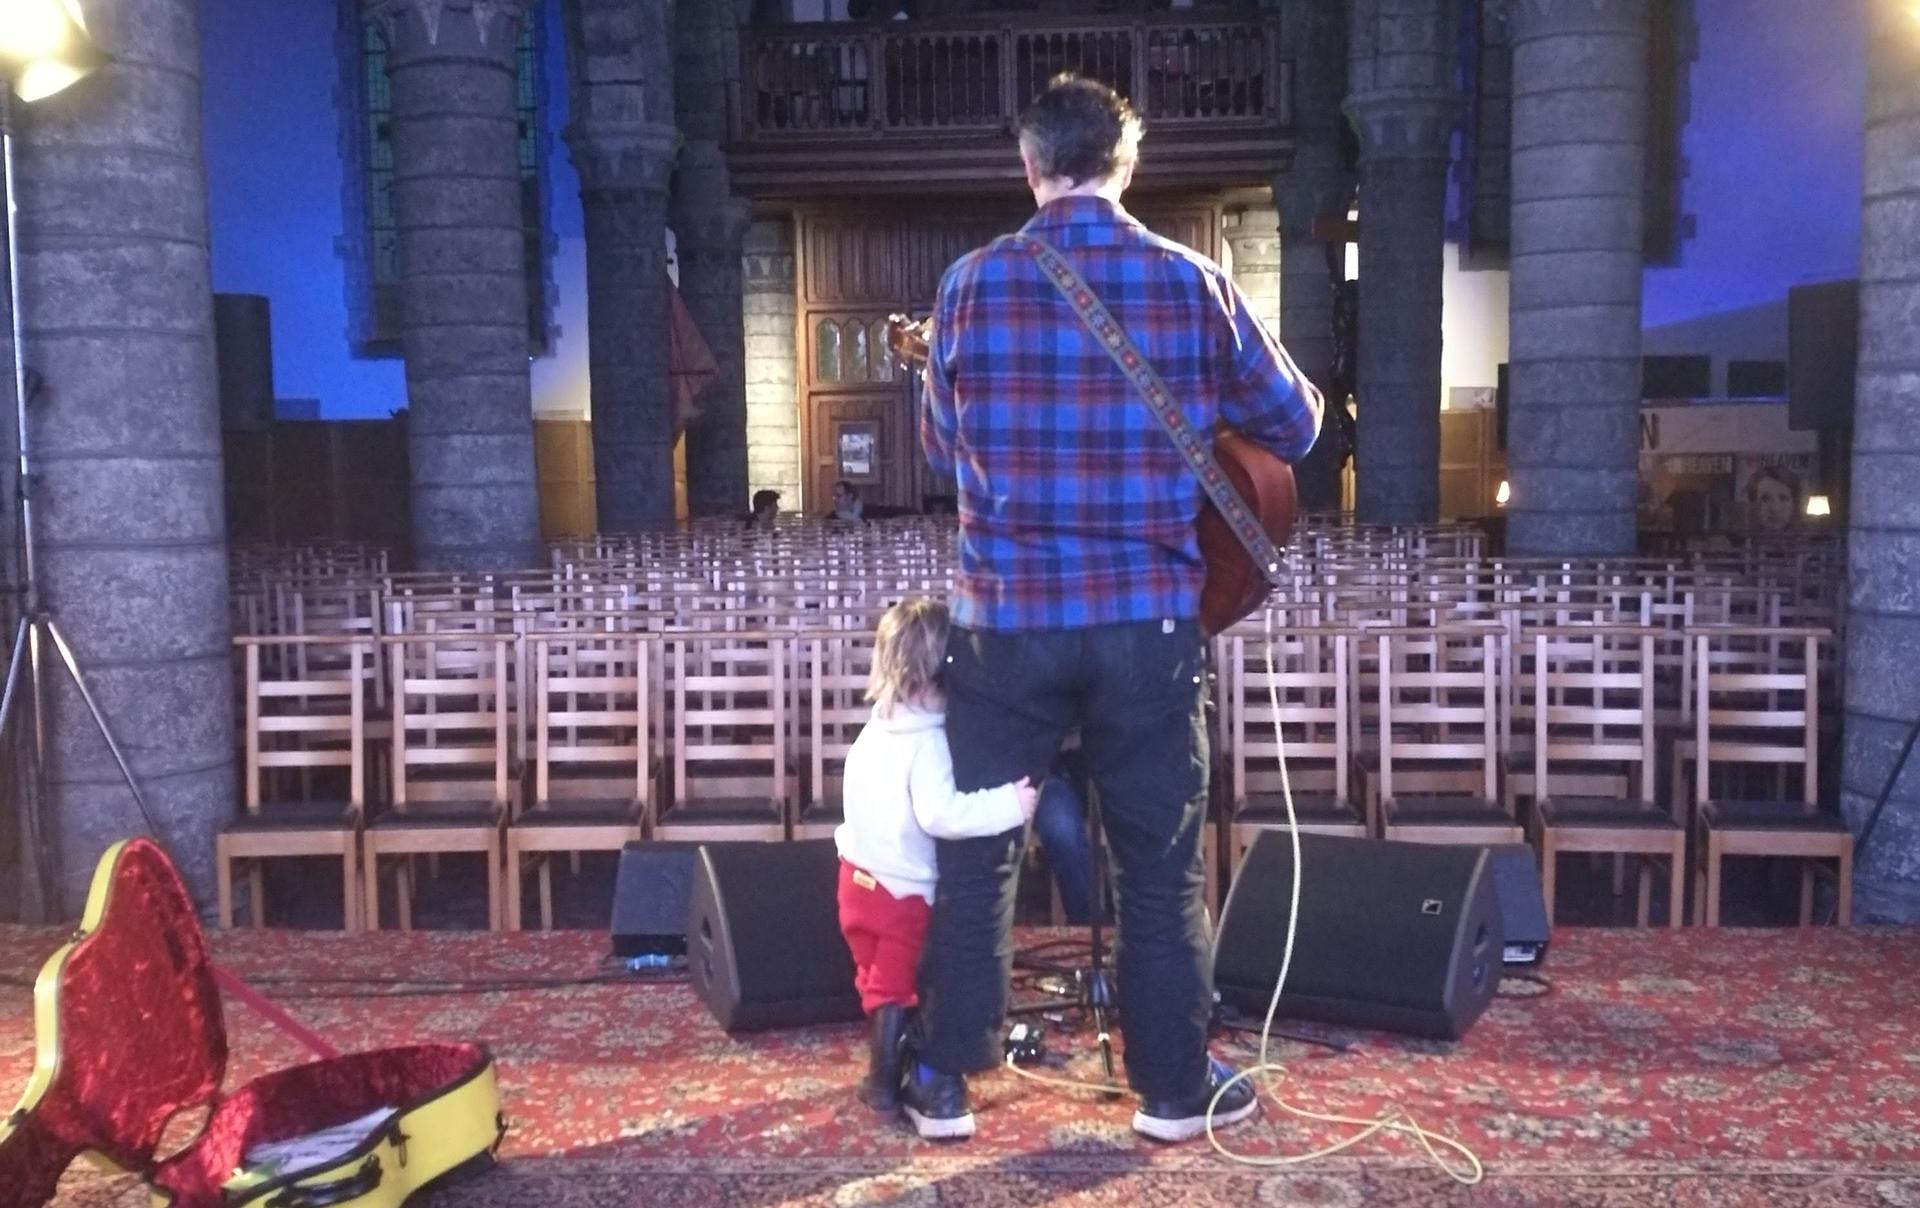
[1151, 388]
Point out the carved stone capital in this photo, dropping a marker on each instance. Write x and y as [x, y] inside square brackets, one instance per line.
[1532, 18]
[767, 256]
[623, 155]
[415, 27]
[721, 227]
[1401, 89]
[1254, 236]
[1414, 124]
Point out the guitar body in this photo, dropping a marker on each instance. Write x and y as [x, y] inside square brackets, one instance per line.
[1234, 586]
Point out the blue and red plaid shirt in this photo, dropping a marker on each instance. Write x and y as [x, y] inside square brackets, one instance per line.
[1075, 507]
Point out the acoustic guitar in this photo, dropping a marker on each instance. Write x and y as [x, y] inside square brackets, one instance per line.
[1234, 586]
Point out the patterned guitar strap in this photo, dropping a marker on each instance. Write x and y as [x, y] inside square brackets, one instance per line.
[1197, 451]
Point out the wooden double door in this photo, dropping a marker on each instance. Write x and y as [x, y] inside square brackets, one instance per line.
[857, 264]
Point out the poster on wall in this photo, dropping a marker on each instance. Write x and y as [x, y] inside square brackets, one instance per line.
[858, 439]
[1723, 468]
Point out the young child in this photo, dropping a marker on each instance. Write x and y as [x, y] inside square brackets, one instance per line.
[899, 796]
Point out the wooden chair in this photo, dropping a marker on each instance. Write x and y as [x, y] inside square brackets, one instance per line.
[729, 734]
[1309, 676]
[1520, 683]
[1439, 716]
[1762, 719]
[1415, 649]
[837, 669]
[1594, 688]
[593, 765]
[452, 705]
[303, 724]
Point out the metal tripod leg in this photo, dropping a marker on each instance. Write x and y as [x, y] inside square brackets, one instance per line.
[106, 731]
[35, 878]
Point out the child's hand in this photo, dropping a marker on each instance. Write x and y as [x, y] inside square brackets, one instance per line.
[1027, 796]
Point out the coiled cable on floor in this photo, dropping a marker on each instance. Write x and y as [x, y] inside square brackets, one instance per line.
[1267, 1073]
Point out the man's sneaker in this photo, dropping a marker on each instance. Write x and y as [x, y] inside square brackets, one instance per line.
[1183, 1120]
[937, 1105]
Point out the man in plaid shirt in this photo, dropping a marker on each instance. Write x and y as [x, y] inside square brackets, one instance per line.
[1078, 596]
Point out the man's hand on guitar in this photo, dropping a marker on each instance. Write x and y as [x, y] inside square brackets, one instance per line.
[907, 340]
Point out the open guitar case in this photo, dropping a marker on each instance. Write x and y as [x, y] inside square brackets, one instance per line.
[130, 1034]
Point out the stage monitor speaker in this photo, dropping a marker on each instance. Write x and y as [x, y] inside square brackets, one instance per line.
[1523, 906]
[1676, 377]
[651, 897]
[1823, 352]
[1404, 937]
[763, 936]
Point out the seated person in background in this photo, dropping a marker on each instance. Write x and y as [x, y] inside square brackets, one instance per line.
[766, 505]
[899, 797]
[1060, 824]
[846, 502]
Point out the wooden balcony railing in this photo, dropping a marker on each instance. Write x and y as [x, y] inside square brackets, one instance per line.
[909, 78]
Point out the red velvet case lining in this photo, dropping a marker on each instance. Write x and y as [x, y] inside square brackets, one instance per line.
[291, 1103]
[140, 1031]
[141, 1038]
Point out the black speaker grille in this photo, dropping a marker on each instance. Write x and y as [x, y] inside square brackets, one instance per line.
[1388, 929]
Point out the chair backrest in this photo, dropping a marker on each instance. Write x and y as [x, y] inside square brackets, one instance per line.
[315, 721]
[1439, 699]
[729, 707]
[1593, 700]
[837, 669]
[1757, 702]
[1306, 675]
[452, 716]
[591, 697]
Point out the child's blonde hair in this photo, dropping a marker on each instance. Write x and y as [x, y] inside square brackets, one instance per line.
[909, 652]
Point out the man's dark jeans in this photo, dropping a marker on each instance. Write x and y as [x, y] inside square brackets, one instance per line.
[1137, 694]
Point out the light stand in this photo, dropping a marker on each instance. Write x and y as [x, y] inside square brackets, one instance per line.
[43, 48]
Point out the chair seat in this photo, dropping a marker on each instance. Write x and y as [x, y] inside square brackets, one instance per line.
[438, 815]
[726, 769]
[581, 813]
[820, 813]
[1608, 812]
[296, 816]
[1270, 809]
[1770, 816]
[703, 811]
[1370, 762]
[1442, 810]
[1520, 763]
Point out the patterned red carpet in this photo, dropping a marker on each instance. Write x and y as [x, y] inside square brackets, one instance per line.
[1743, 1067]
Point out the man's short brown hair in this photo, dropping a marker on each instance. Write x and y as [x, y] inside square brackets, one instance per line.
[1079, 129]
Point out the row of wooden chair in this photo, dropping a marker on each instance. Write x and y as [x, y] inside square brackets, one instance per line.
[688, 736]
[1399, 733]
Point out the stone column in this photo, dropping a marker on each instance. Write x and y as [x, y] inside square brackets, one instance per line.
[1316, 185]
[1579, 172]
[118, 311]
[1253, 238]
[1883, 620]
[623, 143]
[709, 224]
[463, 283]
[773, 406]
[1403, 101]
